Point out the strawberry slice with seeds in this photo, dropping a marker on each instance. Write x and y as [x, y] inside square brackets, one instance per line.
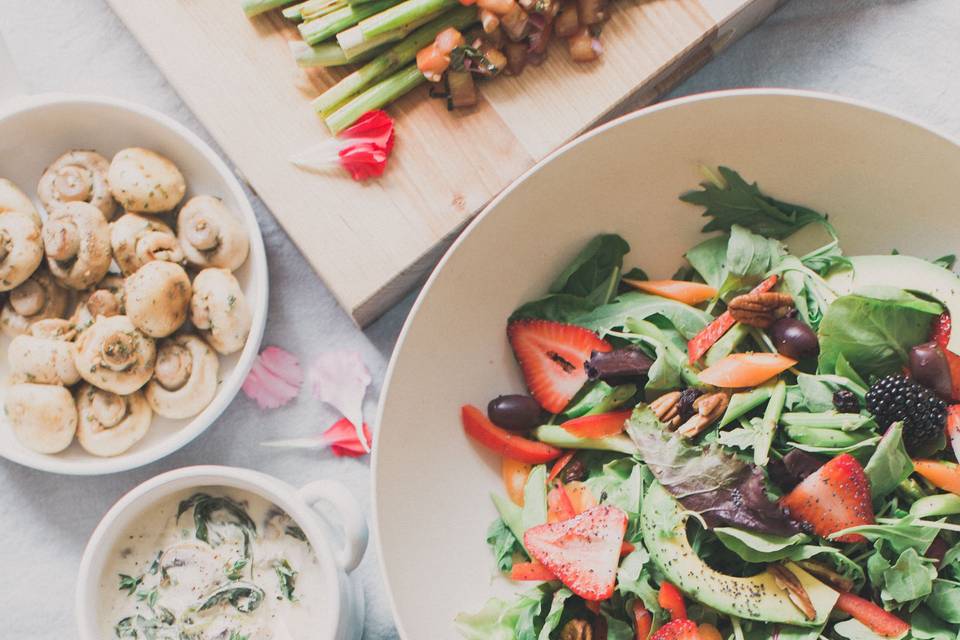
[679, 629]
[835, 497]
[583, 552]
[941, 335]
[551, 355]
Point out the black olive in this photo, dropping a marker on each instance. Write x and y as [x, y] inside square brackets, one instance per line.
[515, 412]
[929, 367]
[618, 366]
[574, 472]
[794, 339]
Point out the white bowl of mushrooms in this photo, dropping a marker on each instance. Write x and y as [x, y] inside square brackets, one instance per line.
[133, 283]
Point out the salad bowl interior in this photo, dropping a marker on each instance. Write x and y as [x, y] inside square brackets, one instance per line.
[884, 181]
[34, 131]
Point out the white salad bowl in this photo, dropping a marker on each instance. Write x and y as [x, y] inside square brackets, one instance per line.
[34, 130]
[886, 181]
[319, 508]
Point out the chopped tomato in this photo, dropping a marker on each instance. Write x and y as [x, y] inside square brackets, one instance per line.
[559, 506]
[680, 290]
[745, 369]
[515, 475]
[642, 621]
[599, 425]
[943, 475]
[879, 620]
[671, 600]
[503, 442]
[527, 571]
[559, 465]
[432, 62]
[580, 497]
[702, 342]
[448, 40]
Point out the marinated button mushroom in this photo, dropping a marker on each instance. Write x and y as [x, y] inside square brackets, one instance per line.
[42, 360]
[77, 176]
[21, 250]
[109, 424]
[220, 311]
[137, 240]
[54, 329]
[210, 235]
[43, 417]
[77, 240]
[144, 181]
[13, 199]
[106, 300]
[39, 298]
[157, 298]
[185, 377]
[113, 355]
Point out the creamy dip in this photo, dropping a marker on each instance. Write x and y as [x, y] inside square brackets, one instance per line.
[212, 564]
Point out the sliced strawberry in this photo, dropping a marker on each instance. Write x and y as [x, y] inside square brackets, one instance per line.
[551, 355]
[671, 600]
[834, 497]
[559, 507]
[642, 621]
[701, 343]
[941, 335]
[598, 425]
[679, 629]
[879, 620]
[583, 552]
[953, 428]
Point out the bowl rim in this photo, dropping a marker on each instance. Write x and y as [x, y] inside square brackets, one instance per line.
[258, 273]
[725, 94]
[160, 487]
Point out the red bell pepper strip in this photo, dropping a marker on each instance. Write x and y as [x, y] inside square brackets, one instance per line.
[642, 620]
[558, 466]
[702, 342]
[559, 507]
[599, 425]
[626, 548]
[529, 571]
[879, 620]
[503, 442]
[671, 600]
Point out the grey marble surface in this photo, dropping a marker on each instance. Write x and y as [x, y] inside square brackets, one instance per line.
[902, 54]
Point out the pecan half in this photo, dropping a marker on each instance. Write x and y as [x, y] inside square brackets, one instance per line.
[576, 630]
[667, 408]
[709, 408]
[828, 575]
[787, 581]
[760, 309]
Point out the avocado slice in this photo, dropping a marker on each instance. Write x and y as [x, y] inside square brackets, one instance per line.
[904, 272]
[663, 524]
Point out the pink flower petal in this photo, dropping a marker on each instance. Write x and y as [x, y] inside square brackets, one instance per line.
[343, 440]
[340, 379]
[275, 378]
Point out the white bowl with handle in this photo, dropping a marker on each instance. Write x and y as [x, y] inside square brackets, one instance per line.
[34, 130]
[886, 181]
[310, 506]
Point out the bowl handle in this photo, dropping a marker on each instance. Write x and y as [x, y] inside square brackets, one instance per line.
[354, 525]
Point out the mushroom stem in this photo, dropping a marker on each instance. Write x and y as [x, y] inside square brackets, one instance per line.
[118, 351]
[204, 234]
[61, 239]
[158, 245]
[102, 303]
[29, 298]
[107, 408]
[174, 364]
[73, 183]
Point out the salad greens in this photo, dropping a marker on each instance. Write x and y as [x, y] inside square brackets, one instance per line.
[792, 464]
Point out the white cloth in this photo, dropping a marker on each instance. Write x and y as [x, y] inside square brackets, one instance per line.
[898, 53]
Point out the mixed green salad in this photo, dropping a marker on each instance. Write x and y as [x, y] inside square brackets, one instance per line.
[763, 446]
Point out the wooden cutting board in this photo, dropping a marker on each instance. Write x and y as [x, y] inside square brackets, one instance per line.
[372, 242]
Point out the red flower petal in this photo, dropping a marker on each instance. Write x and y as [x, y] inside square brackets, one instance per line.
[275, 378]
[364, 160]
[344, 441]
[375, 127]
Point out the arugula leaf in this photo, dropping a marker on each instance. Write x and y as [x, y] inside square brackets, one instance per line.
[595, 272]
[901, 534]
[559, 307]
[709, 259]
[944, 600]
[503, 544]
[501, 620]
[817, 390]
[910, 578]
[947, 261]
[552, 621]
[750, 256]
[890, 464]
[689, 321]
[875, 336]
[853, 629]
[924, 625]
[732, 200]
[759, 547]
[826, 258]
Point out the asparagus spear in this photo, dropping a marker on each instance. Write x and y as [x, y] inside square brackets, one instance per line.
[393, 58]
[256, 7]
[315, 31]
[378, 95]
[354, 44]
[402, 14]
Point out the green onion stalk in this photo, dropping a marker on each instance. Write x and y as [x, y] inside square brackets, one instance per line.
[402, 14]
[354, 45]
[378, 95]
[326, 54]
[316, 31]
[392, 59]
[256, 7]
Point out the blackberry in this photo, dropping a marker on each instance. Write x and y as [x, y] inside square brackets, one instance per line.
[845, 401]
[900, 399]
